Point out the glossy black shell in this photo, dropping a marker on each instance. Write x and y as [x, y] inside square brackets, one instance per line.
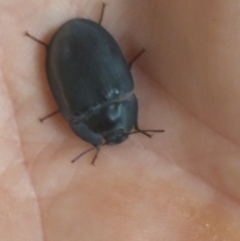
[91, 82]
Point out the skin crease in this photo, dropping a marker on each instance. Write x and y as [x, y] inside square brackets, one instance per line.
[179, 185]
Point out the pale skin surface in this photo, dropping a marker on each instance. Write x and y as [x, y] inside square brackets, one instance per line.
[179, 185]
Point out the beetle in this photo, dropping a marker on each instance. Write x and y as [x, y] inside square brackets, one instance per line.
[92, 84]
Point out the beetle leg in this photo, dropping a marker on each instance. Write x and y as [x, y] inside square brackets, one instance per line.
[46, 117]
[35, 39]
[102, 13]
[135, 58]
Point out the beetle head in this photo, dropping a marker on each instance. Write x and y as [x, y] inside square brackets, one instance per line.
[115, 137]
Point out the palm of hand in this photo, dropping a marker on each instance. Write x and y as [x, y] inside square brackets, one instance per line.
[180, 185]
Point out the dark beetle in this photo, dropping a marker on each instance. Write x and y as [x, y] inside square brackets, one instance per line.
[92, 83]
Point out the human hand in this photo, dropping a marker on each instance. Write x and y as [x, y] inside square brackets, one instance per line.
[178, 185]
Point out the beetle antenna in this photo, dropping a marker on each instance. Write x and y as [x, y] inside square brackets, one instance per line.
[83, 153]
[35, 39]
[145, 132]
[95, 157]
[88, 150]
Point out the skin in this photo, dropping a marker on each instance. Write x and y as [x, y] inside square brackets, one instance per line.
[179, 185]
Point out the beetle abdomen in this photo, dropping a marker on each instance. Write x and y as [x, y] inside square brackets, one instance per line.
[85, 67]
